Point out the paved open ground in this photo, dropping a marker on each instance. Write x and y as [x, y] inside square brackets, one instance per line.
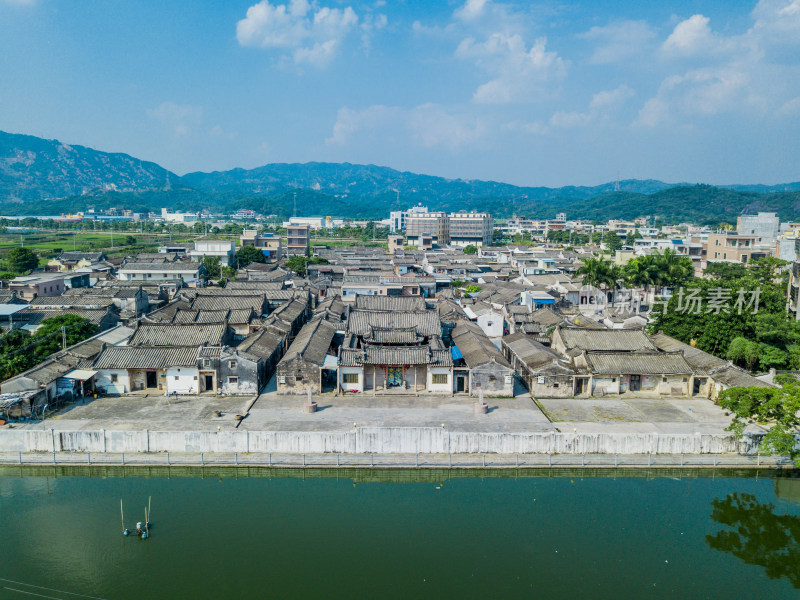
[271, 412]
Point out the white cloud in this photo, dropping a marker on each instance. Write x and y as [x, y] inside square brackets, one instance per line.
[777, 21]
[180, 118]
[619, 41]
[602, 105]
[517, 74]
[700, 92]
[690, 37]
[790, 108]
[471, 10]
[427, 126]
[312, 34]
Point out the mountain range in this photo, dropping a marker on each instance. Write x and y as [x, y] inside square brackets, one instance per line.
[54, 177]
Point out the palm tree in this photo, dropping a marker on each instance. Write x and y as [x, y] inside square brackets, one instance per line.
[600, 273]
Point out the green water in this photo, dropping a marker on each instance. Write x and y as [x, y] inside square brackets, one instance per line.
[459, 537]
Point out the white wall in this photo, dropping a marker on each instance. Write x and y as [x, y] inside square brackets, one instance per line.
[491, 323]
[442, 388]
[183, 380]
[122, 386]
[352, 386]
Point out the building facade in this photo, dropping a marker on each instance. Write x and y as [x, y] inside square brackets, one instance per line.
[471, 229]
[298, 238]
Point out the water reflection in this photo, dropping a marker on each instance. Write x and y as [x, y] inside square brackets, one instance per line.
[754, 533]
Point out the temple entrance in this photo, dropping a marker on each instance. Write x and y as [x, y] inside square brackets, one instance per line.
[394, 376]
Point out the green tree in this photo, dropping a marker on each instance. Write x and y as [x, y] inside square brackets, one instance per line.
[470, 249]
[21, 260]
[612, 241]
[211, 263]
[773, 407]
[49, 338]
[130, 240]
[249, 254]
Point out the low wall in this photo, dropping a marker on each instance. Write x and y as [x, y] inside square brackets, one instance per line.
[380, 440]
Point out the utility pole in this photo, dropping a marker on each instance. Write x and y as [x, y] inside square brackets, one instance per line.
[64, 337]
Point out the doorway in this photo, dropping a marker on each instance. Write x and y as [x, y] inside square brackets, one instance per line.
[460, 384]
[209, 383]
[635, 383]
[152, 379]
[394, 376]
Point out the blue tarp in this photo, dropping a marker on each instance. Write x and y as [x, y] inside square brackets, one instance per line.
[456, 352]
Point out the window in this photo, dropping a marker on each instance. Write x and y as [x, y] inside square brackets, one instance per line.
[349, 377]
[231, 364]
[177, 377]
[114, 378]
[233, 381]
[439, 378]
[206, 363]
[664, 379]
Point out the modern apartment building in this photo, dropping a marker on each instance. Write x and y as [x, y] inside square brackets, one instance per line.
[793, 293]
[398, 218]
[764, 225]
[433, 224]
[471, 228]
[730, 246]
[268, 243]
[298, 240]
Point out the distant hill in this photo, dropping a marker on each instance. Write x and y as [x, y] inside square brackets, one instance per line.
[33, 168]
[62, 178]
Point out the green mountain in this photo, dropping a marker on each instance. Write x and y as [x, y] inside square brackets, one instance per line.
[33, 168]
[62, 178]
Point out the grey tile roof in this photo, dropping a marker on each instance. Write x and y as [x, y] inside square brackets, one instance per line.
[393, 336]
[263, 343]
[159, 267]
[638, 363]
[626, 340]
[372, 354]
[179, 335]
[312, 342]
[361, 322]
[34, 317]
[702, 362]
[530, 352]
[256, 303]
[146, 357]
[254, 286]
[476, 348]
[391, 303]
[54, 302]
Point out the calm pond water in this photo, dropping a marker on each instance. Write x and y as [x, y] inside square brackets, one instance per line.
[461, 537]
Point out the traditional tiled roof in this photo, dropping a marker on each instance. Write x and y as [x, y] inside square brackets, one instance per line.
[146, 357]
[371, 354]
[638, 363]
[254, 286]
[262, 343]
[391, 303]
[312, 342]
[530, 352]
[95, 316]
[256, 303]
[150, 267]
[406, 335]
[179, 335]
[361, 322]
[55, 302]
[476, 348]
[621, 340]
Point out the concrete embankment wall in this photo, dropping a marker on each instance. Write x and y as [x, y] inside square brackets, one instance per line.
[379, 440]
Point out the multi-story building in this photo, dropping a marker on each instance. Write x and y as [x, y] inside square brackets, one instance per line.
[398, 218]
[223, 249]
[298, 240]
[471, 228]
[268, 243]
[731, 246]
[793, 293]
[433, 224]
[764, 225]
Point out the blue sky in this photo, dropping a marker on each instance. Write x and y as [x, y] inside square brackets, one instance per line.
[530, 93]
